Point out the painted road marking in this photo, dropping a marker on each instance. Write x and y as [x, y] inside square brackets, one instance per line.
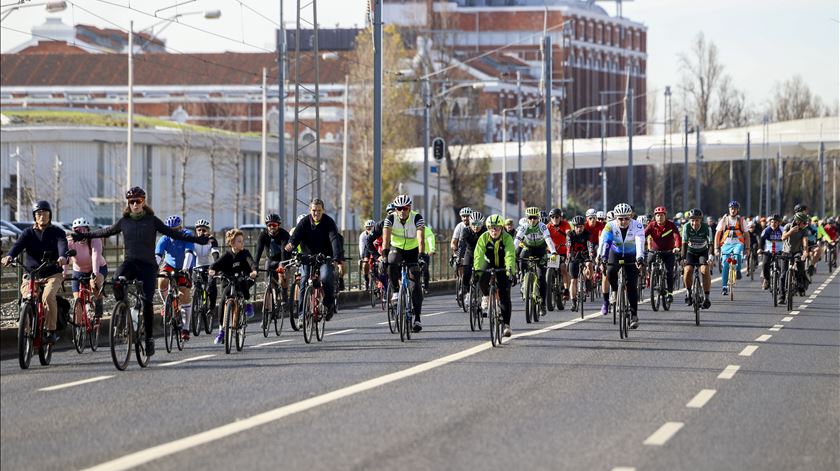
[421, 315]
[748, 350]
[339, 332]
[701, 398]
[809, 301]
[187, 360]
[76, 383]
[729, 372]
[787, 319]
[793, 313]
[665, 432]
[763, 338]
[624, 468]
[776, 328]
[271, 343]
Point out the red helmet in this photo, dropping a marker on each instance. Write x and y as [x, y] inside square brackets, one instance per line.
[660, 209]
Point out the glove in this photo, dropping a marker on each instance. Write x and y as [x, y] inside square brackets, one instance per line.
[512, 278]
[676, 250]
[640, 260]
[202, 240]
[553, 257]
[422, 263]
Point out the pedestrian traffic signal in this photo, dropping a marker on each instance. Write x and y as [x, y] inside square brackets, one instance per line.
[438, 148]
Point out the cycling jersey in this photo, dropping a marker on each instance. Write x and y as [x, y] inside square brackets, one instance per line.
[459, 229]
[173, 251]
[204, 253]
[732, 229]
[536, 236]
[466, 245]
[558, 236]
[771, 241]
[594, 230]
[664, 237]
[495, 253]
[404, 233]
[623, 242]
[698, 241]
[830, 232]
[579, 243]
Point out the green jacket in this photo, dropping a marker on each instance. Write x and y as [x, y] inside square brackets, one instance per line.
[430, 239]
[499, 253]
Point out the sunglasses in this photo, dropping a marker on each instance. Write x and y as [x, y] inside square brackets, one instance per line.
[533, 218]
[556, 217]
[495, 228]
[623, 219]
[403, 208]
[272, 226]
[135, 201]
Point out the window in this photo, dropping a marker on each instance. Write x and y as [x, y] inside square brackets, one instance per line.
[600, 34]
[608, 36]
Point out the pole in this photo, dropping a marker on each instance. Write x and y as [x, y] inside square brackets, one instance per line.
[834, 186]
[343, 221]
[630, 147]
[603, 158]
[439, 225]
[281, 128]
[769, 166]
[822, 179]
[377, 110]
[57, 187]
[504, 163]
[426, 125]
[779, 168]
[519, 144]
[18, 187]
[731, 180]
[749, 177]
[264, 144]
[699, 171]
[685, 165]
[547, 58]
[130, 124]
[574, 160]
[665, 135]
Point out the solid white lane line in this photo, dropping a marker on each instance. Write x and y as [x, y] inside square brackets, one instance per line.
[787, 319]
[624, 468]
[75, 383]
[763, 338]
[339, 332]
[793, 313]
[701, 398]
[421, 316]
[729, 372]
[665, 432]
[271, 343]
[776, 328]
[201, 357]
[748, 350]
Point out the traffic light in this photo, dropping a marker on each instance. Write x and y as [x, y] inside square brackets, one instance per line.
[438, 148]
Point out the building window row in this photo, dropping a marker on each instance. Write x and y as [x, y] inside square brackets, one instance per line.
[604, 33]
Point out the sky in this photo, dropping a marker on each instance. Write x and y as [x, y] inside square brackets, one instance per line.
[761, 42]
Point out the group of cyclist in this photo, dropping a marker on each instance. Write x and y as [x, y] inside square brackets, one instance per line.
[593, 245]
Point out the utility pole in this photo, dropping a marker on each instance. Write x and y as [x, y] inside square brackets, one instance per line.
[18, 186]
[57, 186]
[670, 138]
[822, 179]
[130, 123]
[427, 102]
[519, 144]
[779, 177]
[548, 77]
[749, 178]
[344, 149]
[264, 144]
[685, 165]
[603, 156]
[377, 110]
[630, 146]
[699, 170]
[281, 128]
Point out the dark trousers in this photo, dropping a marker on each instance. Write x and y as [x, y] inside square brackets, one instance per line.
[800, 271]
[467, 265]
[426, 258]
[668, 259]
[632, 277]
[326, 274]
[147, 273]
[503, 286]
[541, 267]
[395, 258]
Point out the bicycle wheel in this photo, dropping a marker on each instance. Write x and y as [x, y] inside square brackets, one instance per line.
[458, 286]
[307, 315]
[475, 307]
[26, 328]
[278, 316]
[493, 315]
[529, 301]
[401, 314]
[654, 289]
[209, 312]
[230, 308]
[197, 312]
[241, 326]
[663, 286]
[120, 335]
[408, 313]
[93, 335]
[320, 320]
[177, 328]
[774, 285]
[581, 293]
[697, 286]
[267, 308]
[391, 312]
[79, 325]
[45, 349]
[790, 286]
[551, 280]
[372, 291]
[168, 334]
[294, 308]
[732, 279]
[620, 307]
[139, 344]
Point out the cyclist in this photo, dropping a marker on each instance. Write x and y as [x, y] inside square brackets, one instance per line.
[317, 234]
[795, 237]
[696, 242]
[594, 225]
[466, 248]
[495, 249]
[754, 229]
[465, 213]
[236, 260]
[176, 254]
[509, 227]
[139, 226]
[770, 243]
[43, 242]
[664, 238]
[89, 260]
[581, 250]
[364, 253]
[274, 239]
[816, 234]
[534, 240]
[403, 240]
[624, 239]
[558, 227]
[205, 255]
[730, 239]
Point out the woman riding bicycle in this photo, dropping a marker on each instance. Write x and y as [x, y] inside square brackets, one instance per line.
[581, 252]
[697, 240]
[466, 248]
[665, 239]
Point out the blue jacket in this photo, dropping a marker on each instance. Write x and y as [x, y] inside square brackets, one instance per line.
[175, 250]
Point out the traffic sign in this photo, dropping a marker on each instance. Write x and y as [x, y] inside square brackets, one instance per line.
[433, 169]
[438, 148]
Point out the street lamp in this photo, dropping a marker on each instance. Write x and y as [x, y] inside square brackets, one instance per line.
[51, 7]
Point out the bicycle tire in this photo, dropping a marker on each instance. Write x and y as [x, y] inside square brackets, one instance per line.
[79, 324]
[619, 301]
[551, 280]
[408, 312]
[774, 285]
[24, 336]
[401, 315]
[581, 292]
[197, 312]
[697, 286]
[209, 313]
[475, 308]
[391, 311]
[230, 307]
[139, 345]
[93, 335]
[663, 283]
[528, 298]
[732, 279]
[790, 290]
[241, 326]
[268, 300]
[120, 336]
[167, 323]
[495, 337]
[654, 289]
[177, 328]
[44, 350]
[279, 315]
[320, 320]
[307, 315]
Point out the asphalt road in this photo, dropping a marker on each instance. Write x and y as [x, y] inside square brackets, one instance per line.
[753, 387]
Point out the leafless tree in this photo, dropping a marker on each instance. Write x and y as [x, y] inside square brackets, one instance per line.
[702, 72]
[732, 110]
[793, 99]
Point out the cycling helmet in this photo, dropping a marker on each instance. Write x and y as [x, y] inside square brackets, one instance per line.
[590, 212]
[532, 211]
[477, 219]
[734, 204]
[643, 220]
[578, 220]
[600, 215]
[273, 217]
[465, 211]
[41, 206]
[135, 192]
[678, 215]
[402, 200]
[510, 221]
[80, 222]
[390, 208]
[660, 209]
[814, 219]
[370, 223]
[799, 207]
[301, 217]
[776, 218]
[800, 217]
[495, 220]
[556, 212]
[622, 209]
[202, 223]
[695, 214]
[610, 216]
[173, 221]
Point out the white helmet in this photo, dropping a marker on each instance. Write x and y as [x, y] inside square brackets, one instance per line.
[465, 211]
[610, 216]
[402, 200]
[590, 212]
[370, 223]
[203, 222]
[600, 215]
[643, 220]
[80, 222]
[477, 219]
[622, 209]
[301, 217]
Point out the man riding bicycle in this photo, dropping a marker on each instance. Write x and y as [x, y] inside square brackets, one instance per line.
[495, 249]
[795, 237]
[205, 255]
[534, 240]
[696, 243]
[558, 227]
[770, 243]
[274, 239]
[466, 248]
[581, 251]
[731, 239]
[176, 255]
[364, 253]
[466, 214]
[624, 239]
[403, 240]
[665, 239]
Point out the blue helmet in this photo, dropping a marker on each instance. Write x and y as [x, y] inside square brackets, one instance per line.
[173, 221]
[734, 204]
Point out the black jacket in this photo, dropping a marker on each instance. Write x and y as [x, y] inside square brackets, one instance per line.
[231, 264]
[276, 245]
[322, 238]
[52, 241]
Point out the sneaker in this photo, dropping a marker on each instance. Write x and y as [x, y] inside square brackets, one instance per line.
[688, 299]
[765, 285]
[782, 299]
[565, 293]
[507, 332]
[574, 305]
[605, 308]
[249, 311]
[485, 303]
[725, 291]
[52, 337]
[417, 326]
[707, 303]
[220, 338]
[634, 321]
[150, 347]
[185, 335]
[670, 298]
[331, 312]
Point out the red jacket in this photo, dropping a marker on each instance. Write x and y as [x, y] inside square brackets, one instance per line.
[663, 238]
[558, 236]
[595, 230]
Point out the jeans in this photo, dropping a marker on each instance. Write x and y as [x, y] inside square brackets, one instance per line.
[327, 282]
[735, 249]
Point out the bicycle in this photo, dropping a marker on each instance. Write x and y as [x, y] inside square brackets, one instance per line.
[752, 263]
[731, 274]
[658, 283]
[622, 303]
[475, 305]
[172, 325]
[831, 256]
[459, 282]
[202, 311]
[554, 284]
[32, 320]
[696, 289]
[531, 289]
[775, 276]
[233, 322]
[294, 303]
[792, 282]
[83, 327]
[272, 310]
[643, 280]
[581, 285]
[127, 326]
[314, 312]
[494, 313]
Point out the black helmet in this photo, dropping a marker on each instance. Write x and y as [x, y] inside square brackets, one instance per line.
[41, 206]
[800, 208]
[557, 212]
[135, 192]
[776, 218]
[800, 217]
[695, 214]
[273, 217]
[578, 220]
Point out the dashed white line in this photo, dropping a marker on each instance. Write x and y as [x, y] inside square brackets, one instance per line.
[422, 315]
[271, 343]
[701, 398]
[802, 306]
[776, 328]
[339, 332]
[729, 372]
[793, 313]
[624, 468]
[665, 432]
[748, 350]
[763, 338]
[200, 357]
[787, 319]
[76, 383]
[809, 301]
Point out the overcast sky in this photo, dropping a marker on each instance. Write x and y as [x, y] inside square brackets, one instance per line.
[762, 42]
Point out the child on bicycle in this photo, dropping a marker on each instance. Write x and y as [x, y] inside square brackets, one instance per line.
[89, 260]
[236, 260]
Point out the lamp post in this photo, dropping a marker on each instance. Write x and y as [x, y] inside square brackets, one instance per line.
[18, 186]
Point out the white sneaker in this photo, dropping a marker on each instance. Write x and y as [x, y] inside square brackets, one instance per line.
[485, 302]
[467, 299]
[507, 332]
